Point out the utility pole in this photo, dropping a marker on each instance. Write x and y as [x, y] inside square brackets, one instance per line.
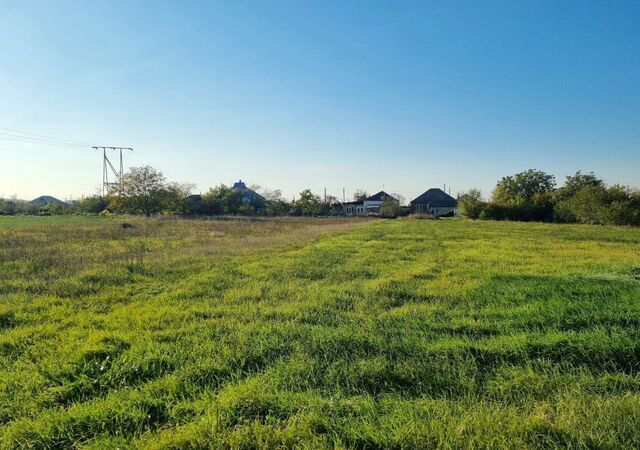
[344, 199]
[325, 195]
[108, 186]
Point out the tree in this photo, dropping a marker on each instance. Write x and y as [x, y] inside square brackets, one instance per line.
[92, 205]
[360, 195]
[7, 207]
[400, 198]
[390, 208]
[330, 206]
[143, 191]
[223, 199]
[276, 205]
[175, 197]
[471, 204]
[588, 205]
[272, 195]
[308, 203]
[598, 204]
[524, 196]
[574, 183]
[627, 211]
[520, 189]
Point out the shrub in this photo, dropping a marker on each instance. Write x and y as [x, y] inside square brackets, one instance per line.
[92, 205]
[390, 208]
[471, 204]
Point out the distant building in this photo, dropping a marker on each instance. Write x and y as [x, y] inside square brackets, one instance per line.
[368, 206]
[45, 200]
[195, 198]
[435, 202]
[248, 195]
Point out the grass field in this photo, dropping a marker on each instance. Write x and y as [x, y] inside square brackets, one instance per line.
[318, 334]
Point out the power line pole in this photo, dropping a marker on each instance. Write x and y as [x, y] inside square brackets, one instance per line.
[108, 186]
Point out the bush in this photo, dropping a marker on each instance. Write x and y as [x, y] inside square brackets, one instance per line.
[92, 205]
[7, 207]
[471, 204]
[563, 213]
[390, 208]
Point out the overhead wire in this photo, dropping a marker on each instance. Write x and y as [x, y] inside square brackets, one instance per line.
[42, 136]
[43, 142]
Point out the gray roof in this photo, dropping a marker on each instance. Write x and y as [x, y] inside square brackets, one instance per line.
[248, 195]
[436, 198]
[47, 199]
[379, 197]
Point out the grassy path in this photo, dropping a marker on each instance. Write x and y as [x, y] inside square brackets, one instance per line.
[389, 334]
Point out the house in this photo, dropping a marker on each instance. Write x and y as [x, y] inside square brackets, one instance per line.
[435, 202]
[368, 206]
[194, 198]
[46, 200]
[353, 209]
[248, 195]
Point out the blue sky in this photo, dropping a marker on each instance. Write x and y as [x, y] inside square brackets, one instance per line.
[290, 94]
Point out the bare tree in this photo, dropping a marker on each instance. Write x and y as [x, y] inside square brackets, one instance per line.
[360, 195]
[400, 198]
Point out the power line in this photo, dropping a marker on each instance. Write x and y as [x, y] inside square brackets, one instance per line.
[33, 141]
[50, 138]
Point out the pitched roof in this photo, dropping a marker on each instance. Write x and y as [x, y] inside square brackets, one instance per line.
[47, 199]
[248, 195]
[436, 198]
[379, 197]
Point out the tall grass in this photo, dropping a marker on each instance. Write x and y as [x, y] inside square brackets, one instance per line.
[318, 334]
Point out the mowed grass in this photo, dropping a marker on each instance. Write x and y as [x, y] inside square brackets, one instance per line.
[318, 333]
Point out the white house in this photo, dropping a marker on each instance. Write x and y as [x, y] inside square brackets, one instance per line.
[368, 206]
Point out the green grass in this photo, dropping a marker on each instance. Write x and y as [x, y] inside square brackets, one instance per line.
[318, 334]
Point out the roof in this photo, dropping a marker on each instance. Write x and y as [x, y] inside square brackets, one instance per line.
[248, 195]
[436, 198]
[48, 200]
[379, 197]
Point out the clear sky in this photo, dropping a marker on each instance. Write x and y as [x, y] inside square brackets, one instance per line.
[295, 94]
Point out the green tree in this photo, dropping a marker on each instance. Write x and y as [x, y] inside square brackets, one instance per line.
[598, 204]
[330, 206]
[390, 208]
[524, 196]
[222, 199]
[588, 205]
[143, 191]
[276, 205]
[7, 207]
[175, 197]
[574, 183]
[92, 205]
[308, 203]
[520, 189]
[471, 204]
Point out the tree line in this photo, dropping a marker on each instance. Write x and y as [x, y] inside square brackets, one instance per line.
[533, 195]
[145, 191]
